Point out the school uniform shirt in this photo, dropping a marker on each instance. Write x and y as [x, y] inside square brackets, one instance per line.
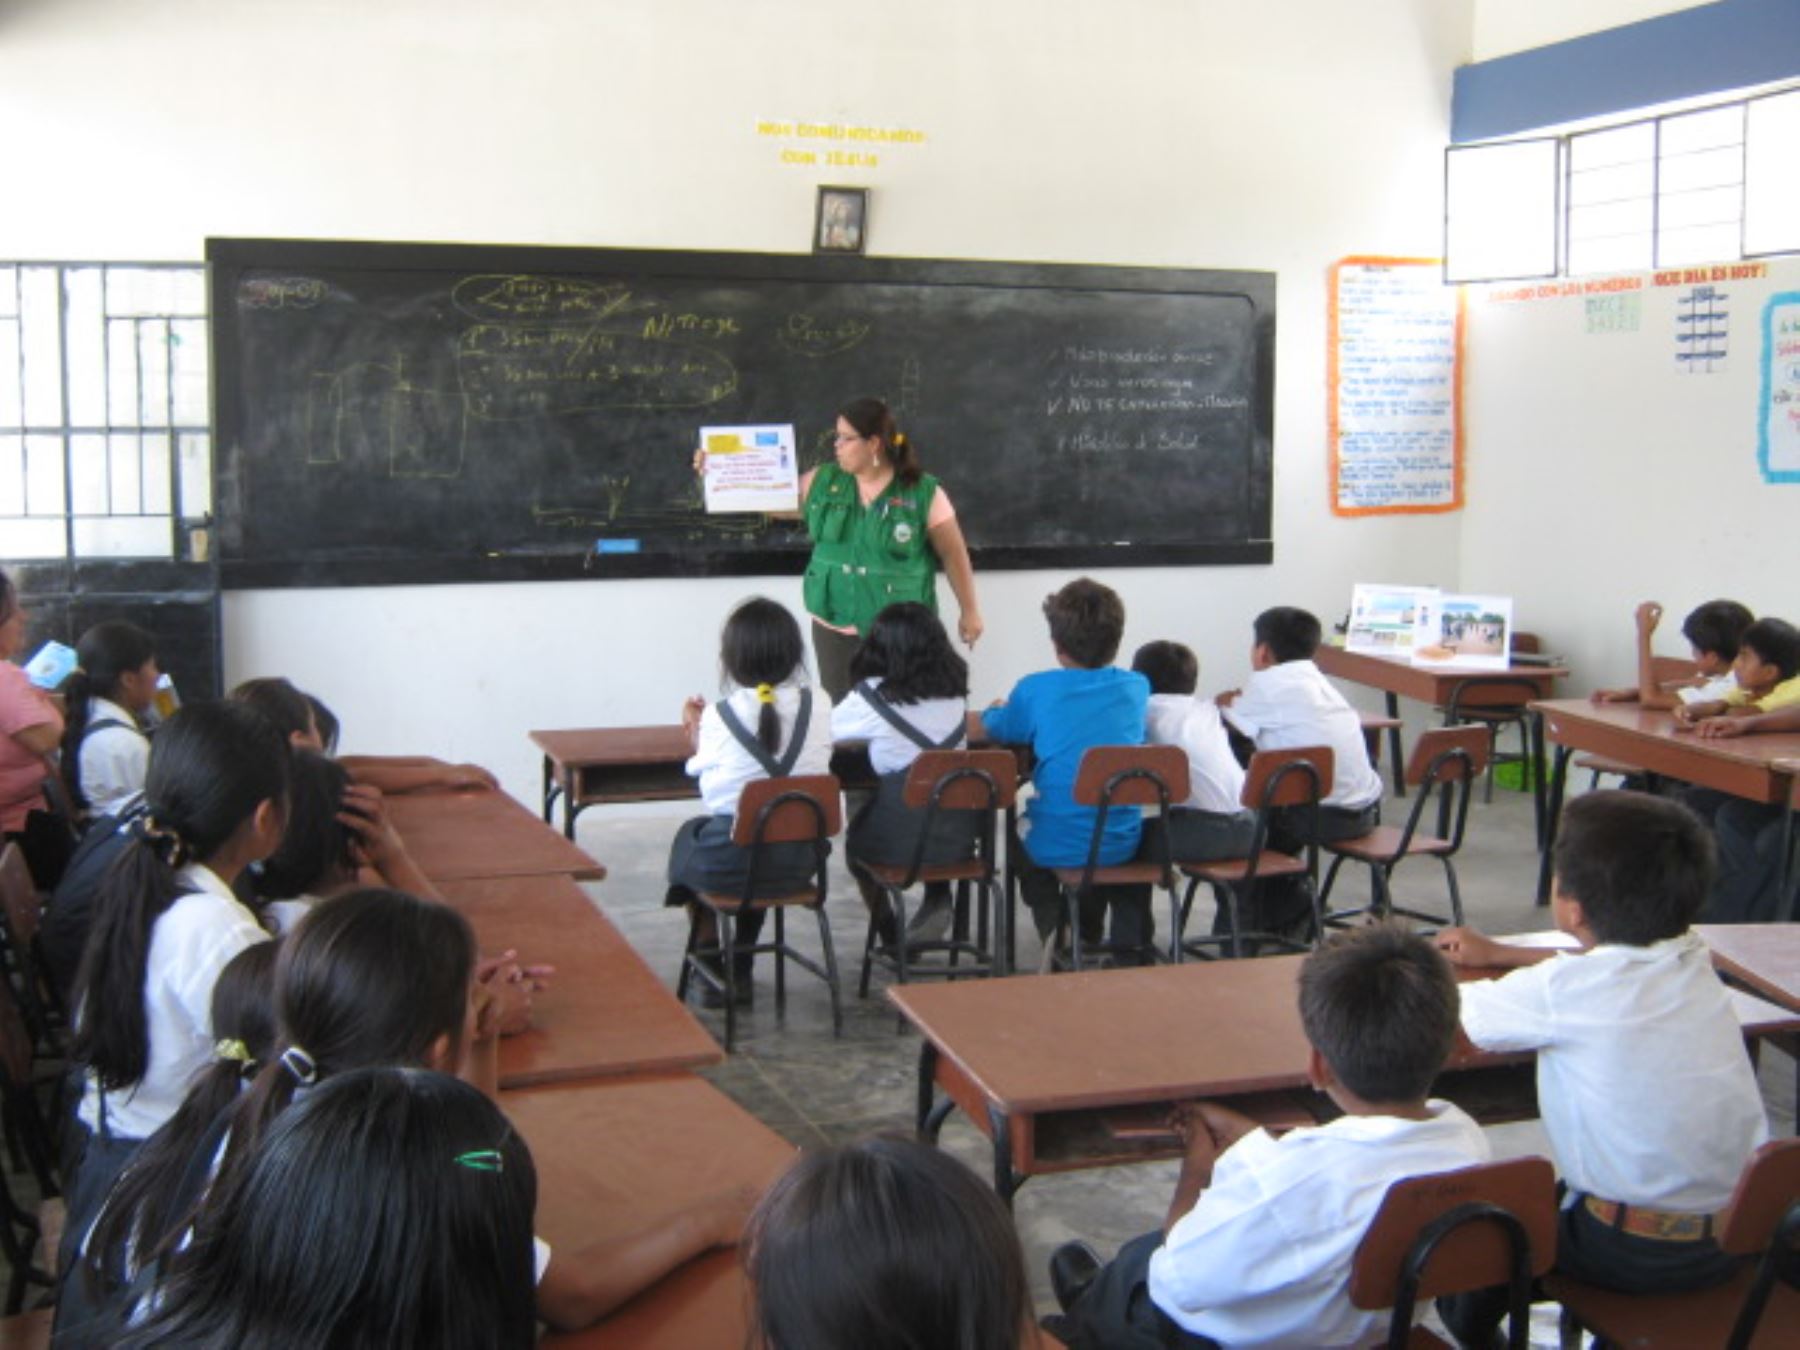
[1264, 1256]
[1215, 778]
[192, 941]
[1784, 695]
[114, 759]
[1061, 714]
[889, 751]
[1718, 688]
[1643, 1082]
[724, 767]
[22, 705]
[1292, 705]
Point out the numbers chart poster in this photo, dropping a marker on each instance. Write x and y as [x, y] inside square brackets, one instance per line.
[1394, 395]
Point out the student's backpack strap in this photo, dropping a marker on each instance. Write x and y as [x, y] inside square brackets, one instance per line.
[885, 710]
[103, 724]
[775, 768]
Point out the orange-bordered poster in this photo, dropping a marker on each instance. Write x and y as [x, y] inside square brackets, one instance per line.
[1394, 361]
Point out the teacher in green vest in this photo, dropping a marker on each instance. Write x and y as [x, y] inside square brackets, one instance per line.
[881, 528]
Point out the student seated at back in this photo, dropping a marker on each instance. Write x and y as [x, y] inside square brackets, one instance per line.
[1259, 1239]
[1767, 672]
[1061, 714]
[1286, 703]
[1645, 1088]
[1713, 631]
[1212, 822]
[105, 751]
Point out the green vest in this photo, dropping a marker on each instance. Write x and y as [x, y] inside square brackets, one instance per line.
[866, 558]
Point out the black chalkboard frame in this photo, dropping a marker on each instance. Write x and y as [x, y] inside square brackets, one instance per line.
[229, 258]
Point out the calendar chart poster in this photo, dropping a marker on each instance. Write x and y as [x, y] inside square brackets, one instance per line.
[1778, 430]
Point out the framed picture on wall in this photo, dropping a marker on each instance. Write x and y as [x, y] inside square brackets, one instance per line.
[842, 225]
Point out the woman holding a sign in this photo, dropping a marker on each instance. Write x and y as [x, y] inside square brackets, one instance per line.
[881, 528]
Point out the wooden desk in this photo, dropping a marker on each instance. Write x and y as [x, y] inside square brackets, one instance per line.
[1764, 957]
[1751, 767]
[1039, 1064]
[458, 836]
[605, 1013]
[611, 1157]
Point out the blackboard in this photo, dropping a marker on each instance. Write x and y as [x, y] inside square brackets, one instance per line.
[392, 413]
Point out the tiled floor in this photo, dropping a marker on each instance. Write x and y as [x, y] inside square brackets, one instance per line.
[793, 1075]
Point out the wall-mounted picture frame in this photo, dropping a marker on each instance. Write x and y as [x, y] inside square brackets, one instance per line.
[842, 222]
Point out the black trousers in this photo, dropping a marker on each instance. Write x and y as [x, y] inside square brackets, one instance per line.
[1132, 922]
[1116, 1311]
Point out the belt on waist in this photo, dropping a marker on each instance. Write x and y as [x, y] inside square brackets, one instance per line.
[1660, 1225]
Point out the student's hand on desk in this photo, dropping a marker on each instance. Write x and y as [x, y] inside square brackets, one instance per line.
[471, 778]
[1614, 696]
[1715, 727]
[726, 1213]
[1226, 697]
[511, 988]
[1466, 947]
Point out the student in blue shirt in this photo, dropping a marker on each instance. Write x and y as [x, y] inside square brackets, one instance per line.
[1061, 714]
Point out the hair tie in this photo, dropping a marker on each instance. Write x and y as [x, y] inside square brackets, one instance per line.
[161, 840]
[301, 1065]
[234, 1050]
[900, 440]
[481, 1160]
[765, 693]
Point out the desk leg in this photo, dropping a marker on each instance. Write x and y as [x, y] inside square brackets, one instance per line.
[1006, 1181]
[549, 789]
[1399, 761]
[1535, 723]
[928, 1058]
[1787, 899]
[1552, 811]
[1008, 947]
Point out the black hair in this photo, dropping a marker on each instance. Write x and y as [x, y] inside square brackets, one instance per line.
[8, 596]
[316, 850]
[908, 650]
[1717, 627]
[325, 722]
[1380, 1004]
[148, 1203]
[874, 420]
[212, 765]
[368, 977]
[105, 653]
[277, 699]
[885, 1244]
[1640, 866]
[1777, 642]
[1170, 667]
[1290, 634]
[389, 1211]
[761, 644]
[1087, 622]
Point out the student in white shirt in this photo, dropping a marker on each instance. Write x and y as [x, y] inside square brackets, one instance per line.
[1212, 822]
[1645, 1088]
[768, 725]
[909, 694]
[1261, 1233]
[1286, 703]
[1713, 631]
[105, 753]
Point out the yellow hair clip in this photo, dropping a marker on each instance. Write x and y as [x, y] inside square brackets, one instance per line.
[900, 440]
[765, 693]
[232, 1050]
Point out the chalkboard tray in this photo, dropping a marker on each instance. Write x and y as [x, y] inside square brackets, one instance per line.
[391, 413]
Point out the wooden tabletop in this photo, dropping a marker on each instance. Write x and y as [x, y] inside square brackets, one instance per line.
[581, 746]
[605, 1012]
[612, 1157]
[1745, 766]
[1764, 956]
[456, 836]
[1428, 684]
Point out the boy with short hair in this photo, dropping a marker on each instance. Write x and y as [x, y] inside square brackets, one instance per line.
[1061, 714]
[1212, 822]
[1643, 1082]
[1288, 702]
[1767, 671]
[1262, 1231]
[1713, 631]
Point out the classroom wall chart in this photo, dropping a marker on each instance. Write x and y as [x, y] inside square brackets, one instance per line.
[1778, 441]
[1394, 397]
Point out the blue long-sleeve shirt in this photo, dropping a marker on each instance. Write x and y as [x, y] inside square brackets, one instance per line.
[1061, 714]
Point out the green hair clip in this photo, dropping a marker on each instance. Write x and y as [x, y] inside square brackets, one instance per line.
[481, 1160]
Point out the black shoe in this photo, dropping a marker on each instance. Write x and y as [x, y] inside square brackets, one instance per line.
[1072, 1269]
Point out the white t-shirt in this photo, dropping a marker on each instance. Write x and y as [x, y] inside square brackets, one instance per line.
[114, 760]
[1215, 778]
[1712, 691]
[1292, 705]
[190, 943]
[1263, 1258]
[724, 767]
[1643, 1082]
[889, 750]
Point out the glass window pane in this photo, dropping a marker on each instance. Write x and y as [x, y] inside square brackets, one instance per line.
[87, 474]
[1771, 187]
[1708, 129]
[153, 459]
[122, 537]
[144, 292]
[36, 539]
[1610, 253]
[187, 350]
[1715, 206]
[1500, 211]
[41, 313]
[122, 373]
[9, 292]
[12, 478]
[1698, 244]
[125, 474]
[196, 475]
[12, 392]
[153, 372]
[1616, 183]
[1704, 169]
[1634, 144]
[85, 350]
[44, 475]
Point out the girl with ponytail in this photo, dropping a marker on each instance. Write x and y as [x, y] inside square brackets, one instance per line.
[105, 753]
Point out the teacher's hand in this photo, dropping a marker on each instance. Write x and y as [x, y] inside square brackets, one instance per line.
[700, 462]
[969, 627]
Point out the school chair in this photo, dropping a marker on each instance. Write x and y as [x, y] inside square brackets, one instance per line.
[1445, 761]
[1454, 1233]
[799, 810]
[1498, 701]
[1275, 778]
[1112, 776]
[984, 781]
[1757, 1309]
[1373, 724]
[21, 913]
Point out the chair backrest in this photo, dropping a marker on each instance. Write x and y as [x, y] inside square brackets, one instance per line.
[799, 809]
[979, 779]
[1528, 643]
[16, 1049]
[1673, 670]
[19, 898]
[1472, 1255]
[1769, 1184]
[1440, 746]
[1491, 693]
[1273, 778]
[1146, 766]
